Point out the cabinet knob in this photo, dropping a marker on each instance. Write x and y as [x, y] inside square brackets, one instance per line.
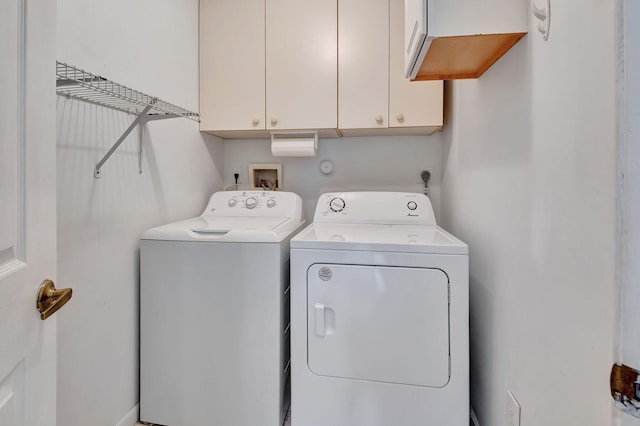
[379, 119]
[274, 121]
[400, 118]
[255, 122]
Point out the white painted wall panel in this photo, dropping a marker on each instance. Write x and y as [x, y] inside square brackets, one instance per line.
[529, 183]
[465, 17]
[9, 131]
[381, 163]
[151, 46]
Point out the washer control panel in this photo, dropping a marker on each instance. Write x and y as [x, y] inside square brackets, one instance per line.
[254, 203]
[392, 208]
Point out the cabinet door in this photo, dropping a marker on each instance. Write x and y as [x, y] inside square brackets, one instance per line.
[363, 64]
[411, 104]
[232, 65]
[301, 70]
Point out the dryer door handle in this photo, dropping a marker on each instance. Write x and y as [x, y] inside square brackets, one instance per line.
[319, 317]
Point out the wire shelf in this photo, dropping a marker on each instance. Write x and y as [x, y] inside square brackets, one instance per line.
[76, 83]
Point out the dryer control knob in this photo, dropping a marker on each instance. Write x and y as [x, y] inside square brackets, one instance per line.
[251, 203]
[337, 204]
[232, 202]
[271, 203]
[412, 205]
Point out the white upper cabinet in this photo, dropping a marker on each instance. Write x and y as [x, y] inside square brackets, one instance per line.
[310, 65]
[374, 96]
[363, 64]
[301, 64]
[448, 40]
[411, 104]
[232, 65]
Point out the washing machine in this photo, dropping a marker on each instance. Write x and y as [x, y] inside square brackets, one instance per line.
[214, 313]
[379, 315]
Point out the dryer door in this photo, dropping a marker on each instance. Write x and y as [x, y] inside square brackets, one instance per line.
[385, 324]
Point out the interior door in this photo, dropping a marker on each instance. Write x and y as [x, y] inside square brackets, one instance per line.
[27, 211]
[628, 348]
[377, 323]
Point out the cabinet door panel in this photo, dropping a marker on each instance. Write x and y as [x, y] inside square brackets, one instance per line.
[232, 64]
[411, 104]
[363, 64]
[301, 64]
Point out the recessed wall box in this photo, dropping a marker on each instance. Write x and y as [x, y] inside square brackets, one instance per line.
[449, 40]
[265, 176]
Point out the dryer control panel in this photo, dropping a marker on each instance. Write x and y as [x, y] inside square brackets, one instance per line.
[254, 203]
[390, 208]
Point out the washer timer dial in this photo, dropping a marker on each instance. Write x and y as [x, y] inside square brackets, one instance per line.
[251, 203]
[337, 204]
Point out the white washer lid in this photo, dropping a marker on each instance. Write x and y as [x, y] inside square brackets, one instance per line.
[217, 224]
[368, 237]
[226, 229]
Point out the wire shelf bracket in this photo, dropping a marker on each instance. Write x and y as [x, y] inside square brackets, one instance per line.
[76, 83]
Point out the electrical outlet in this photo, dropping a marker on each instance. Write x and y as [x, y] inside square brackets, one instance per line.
[513, 410]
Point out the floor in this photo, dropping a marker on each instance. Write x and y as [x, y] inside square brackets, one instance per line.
[287, 421]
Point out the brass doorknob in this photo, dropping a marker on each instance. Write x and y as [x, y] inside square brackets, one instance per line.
[50, 299]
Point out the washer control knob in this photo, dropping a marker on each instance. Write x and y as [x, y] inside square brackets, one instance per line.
[232, 202]
[271, 203]
[412, 205]
[337, 204]
[251, 203]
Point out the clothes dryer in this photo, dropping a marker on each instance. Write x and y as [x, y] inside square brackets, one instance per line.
[379, 315]
[214, 313]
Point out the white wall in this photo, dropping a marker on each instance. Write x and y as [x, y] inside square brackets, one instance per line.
[151, 46]
[360, 164]
[529, 183]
